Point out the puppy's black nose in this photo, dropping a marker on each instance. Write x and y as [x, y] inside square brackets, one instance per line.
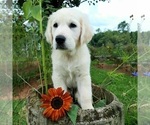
[60, 39]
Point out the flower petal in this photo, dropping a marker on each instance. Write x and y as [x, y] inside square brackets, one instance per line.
[45, 97]
[66, 95]
[62, 112]
[50, 113]
[46, 111]
[56, 115]
[45, 105]
[59, 91]
[66, 106]
[68, 99]
[52, 92]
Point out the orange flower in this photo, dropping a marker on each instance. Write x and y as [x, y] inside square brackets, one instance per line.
[56, 102]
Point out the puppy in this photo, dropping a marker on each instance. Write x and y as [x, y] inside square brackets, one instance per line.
[68, 31]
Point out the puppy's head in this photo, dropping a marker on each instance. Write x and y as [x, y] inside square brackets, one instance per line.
[67, 29]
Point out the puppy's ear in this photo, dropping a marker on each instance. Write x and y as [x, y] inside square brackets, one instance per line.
[86, 30]
[48, 32]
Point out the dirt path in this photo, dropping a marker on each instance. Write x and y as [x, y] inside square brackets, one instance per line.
[23, 91]
[125, 69]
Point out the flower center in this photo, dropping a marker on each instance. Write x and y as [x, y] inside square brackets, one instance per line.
[56, 102]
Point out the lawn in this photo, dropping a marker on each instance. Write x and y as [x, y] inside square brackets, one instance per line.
[122, 85]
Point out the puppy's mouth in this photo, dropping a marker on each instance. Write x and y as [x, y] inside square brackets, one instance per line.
[61, 47]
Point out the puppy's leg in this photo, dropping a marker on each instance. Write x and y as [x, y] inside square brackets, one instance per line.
[58, 81]
[84, 91]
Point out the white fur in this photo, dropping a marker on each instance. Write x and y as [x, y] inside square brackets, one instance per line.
[71, 67]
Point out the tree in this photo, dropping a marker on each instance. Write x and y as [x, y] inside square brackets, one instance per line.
[98, 30]
[123, 26]
[60, 3]
[133, 37]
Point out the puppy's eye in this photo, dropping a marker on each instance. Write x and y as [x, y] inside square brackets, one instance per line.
[55, 25]
[72, 25]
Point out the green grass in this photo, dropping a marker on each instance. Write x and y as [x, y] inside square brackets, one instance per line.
[19, 112]
[123, 86]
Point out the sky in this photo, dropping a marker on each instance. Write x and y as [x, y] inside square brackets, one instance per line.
[107, 15]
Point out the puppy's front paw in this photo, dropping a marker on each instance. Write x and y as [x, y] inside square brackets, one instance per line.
[87, 106]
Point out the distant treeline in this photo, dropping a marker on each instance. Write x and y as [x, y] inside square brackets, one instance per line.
[115, 38]
[122, 36]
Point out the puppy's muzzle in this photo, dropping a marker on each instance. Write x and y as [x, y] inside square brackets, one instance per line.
[60, 40]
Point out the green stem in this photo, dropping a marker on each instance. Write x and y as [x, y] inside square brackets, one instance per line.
[43, 49]
[41, 27]
[44, 65]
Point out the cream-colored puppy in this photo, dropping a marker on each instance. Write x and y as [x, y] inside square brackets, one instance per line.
[68, 31]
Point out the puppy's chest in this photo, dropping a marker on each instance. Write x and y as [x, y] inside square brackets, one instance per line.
[71, 73]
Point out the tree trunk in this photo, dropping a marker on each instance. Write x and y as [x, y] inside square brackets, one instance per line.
[111, 114]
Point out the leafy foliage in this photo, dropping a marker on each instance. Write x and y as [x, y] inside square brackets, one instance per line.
[73, 113]
[100, 103]
[27, 43]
